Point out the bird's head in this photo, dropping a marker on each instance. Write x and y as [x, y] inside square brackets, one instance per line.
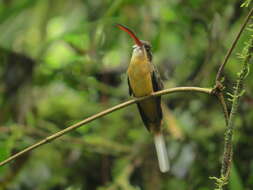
[141, 49]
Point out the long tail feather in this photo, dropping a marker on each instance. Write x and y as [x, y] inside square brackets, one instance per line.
[161, 152]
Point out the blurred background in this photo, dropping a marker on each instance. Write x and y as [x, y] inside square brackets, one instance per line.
[62, 61]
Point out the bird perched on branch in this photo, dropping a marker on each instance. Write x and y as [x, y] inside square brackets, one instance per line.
[143, 80]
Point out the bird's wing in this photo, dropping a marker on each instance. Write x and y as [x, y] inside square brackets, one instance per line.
[144, 118]
[156, 80]
[129, 87]
[157, 85]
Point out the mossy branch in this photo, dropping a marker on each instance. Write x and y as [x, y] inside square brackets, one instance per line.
[238, 92]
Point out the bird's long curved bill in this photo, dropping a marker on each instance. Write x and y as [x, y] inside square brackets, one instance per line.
[131, 33]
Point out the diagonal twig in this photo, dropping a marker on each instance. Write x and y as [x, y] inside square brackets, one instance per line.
[101, 114]
[220, 71]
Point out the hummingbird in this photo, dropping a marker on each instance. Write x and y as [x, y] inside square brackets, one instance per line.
[143, 80]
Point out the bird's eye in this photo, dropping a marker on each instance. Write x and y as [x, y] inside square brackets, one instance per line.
[147, 47]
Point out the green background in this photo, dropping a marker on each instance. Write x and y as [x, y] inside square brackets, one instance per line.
[63, 61]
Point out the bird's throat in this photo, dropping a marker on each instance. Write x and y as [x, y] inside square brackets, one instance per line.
[139, 74]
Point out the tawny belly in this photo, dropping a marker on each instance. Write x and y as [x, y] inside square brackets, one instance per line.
[140, 81]
[139, 74]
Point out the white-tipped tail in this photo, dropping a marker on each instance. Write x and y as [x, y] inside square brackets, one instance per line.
[161, 152]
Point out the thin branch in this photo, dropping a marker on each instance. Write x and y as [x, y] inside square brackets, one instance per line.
[218, 92]
[218, 89]
[101, 114]
[224, 106]
[220, 71]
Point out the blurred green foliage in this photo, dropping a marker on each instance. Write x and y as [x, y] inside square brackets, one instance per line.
[62, 61]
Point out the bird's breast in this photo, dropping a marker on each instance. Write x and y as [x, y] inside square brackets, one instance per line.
[139, 74]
